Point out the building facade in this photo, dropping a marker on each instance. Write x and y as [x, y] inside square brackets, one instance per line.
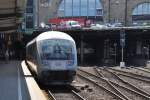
[128, 12]
[104, 45]
[114, 10]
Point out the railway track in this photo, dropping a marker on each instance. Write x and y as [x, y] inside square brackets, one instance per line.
[132, 75]
[120, 89]
[103, 84]
[110, 82]
[138, 83]
[114, 95]
[129, 84]
[64, 95]
[147, 70]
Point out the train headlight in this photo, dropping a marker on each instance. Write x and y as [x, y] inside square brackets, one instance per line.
[45, 63]
[70, 63]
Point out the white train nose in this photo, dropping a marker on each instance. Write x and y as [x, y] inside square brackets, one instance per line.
[54, 55]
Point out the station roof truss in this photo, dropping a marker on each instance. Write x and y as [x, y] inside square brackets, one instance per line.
[109, 29]
[101, 32]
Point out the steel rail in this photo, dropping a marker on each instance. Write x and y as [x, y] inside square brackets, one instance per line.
[111, 82]
[137, 90]
[134, 77]
[51, 96]
[100, 86]
[96, 70]
[107, 81]
[143, 69]
[142, 76]
[130, 84]
[78, 95]
[128, 89]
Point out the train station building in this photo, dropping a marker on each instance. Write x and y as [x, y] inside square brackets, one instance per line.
[102, 11]
[20, 22]
[103, 46]
[10, 18]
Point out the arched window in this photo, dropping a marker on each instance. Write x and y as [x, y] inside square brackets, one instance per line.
[76, 8]
[141, 14]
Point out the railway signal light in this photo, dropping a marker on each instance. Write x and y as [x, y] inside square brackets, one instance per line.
[122, 44]
[122, 38]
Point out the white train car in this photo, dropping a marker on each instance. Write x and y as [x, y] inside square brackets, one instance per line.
[52, 57]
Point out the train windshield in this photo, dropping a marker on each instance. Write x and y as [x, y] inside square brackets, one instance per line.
[56, 50]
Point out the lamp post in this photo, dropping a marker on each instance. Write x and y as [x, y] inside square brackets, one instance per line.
[116, 4]
[109, 11]
[38, 13]
[115, 46]
[148, 52]
[122, 44]
[126, 11]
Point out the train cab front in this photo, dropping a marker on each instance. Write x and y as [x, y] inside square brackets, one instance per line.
[57, 77]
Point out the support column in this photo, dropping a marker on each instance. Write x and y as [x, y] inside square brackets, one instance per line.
[82, 50]
[16, 12]
[126, 12]
[109, 11]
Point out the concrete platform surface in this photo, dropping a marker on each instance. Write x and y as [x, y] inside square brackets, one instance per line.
[15, 84]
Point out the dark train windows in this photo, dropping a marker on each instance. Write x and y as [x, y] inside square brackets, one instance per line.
[32, 55]
[56, 50]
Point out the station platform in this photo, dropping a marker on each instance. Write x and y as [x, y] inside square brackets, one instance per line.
[17, 83]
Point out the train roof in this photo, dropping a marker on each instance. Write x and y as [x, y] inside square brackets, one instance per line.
[52, 35]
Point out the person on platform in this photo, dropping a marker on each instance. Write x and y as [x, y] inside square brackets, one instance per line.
[6, 55]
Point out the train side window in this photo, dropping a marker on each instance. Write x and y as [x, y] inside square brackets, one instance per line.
[34, 55]
[30, 52]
